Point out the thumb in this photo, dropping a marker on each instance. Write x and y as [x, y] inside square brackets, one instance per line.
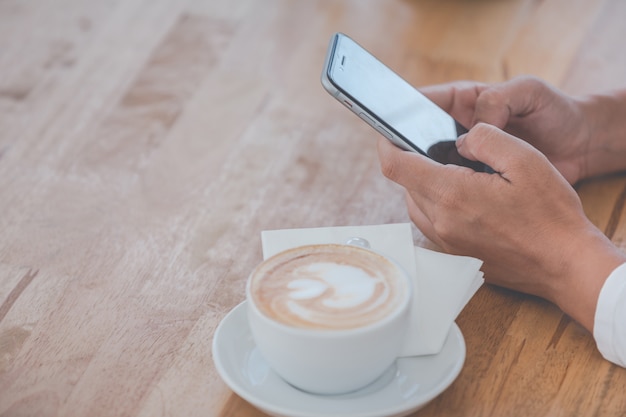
[492, 108]
[494, 147]
[497, 104]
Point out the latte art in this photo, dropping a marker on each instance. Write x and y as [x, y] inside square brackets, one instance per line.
[328, 287]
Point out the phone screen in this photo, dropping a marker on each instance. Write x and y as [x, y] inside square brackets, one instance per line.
[394, 103]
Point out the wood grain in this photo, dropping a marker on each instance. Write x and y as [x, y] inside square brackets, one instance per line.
[145, 144]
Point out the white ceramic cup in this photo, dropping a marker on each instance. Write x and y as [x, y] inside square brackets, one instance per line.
[329, 319]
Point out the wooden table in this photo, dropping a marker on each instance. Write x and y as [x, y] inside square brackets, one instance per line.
[144, 144]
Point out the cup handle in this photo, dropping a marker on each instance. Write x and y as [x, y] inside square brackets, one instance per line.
[358, 241]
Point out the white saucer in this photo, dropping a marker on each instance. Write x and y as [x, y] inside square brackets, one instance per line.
[405, 388]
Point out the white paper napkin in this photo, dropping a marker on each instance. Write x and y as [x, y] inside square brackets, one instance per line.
[443, 284]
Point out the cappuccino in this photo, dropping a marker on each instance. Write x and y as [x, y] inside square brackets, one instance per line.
[328, 287]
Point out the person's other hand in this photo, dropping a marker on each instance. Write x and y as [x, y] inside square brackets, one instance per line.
[525, 222]
[527, 108]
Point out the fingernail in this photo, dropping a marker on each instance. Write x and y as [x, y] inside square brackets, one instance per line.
[460, 140]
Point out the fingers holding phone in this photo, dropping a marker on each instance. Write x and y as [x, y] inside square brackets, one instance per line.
[503, 219]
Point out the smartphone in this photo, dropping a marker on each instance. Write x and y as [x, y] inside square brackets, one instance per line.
[389, 104]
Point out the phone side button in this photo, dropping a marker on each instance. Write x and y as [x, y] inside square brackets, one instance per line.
[368, 119]
[384, 132]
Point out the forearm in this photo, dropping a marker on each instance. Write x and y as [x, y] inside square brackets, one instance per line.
[606, 120]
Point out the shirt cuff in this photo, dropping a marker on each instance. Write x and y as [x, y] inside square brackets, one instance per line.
[609, 329]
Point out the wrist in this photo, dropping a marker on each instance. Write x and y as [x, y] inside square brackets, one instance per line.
[591, 260]
[604, 133]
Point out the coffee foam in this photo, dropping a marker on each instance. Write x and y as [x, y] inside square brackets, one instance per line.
[328, 287]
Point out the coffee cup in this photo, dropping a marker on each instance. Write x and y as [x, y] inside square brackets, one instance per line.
[329, 319]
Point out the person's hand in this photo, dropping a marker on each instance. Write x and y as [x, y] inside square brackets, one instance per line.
[525, 222]
[527, 108]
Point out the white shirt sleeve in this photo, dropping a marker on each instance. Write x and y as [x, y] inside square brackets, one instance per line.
[609, 328]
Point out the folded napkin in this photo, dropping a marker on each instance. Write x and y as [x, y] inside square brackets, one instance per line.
[443, 284]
